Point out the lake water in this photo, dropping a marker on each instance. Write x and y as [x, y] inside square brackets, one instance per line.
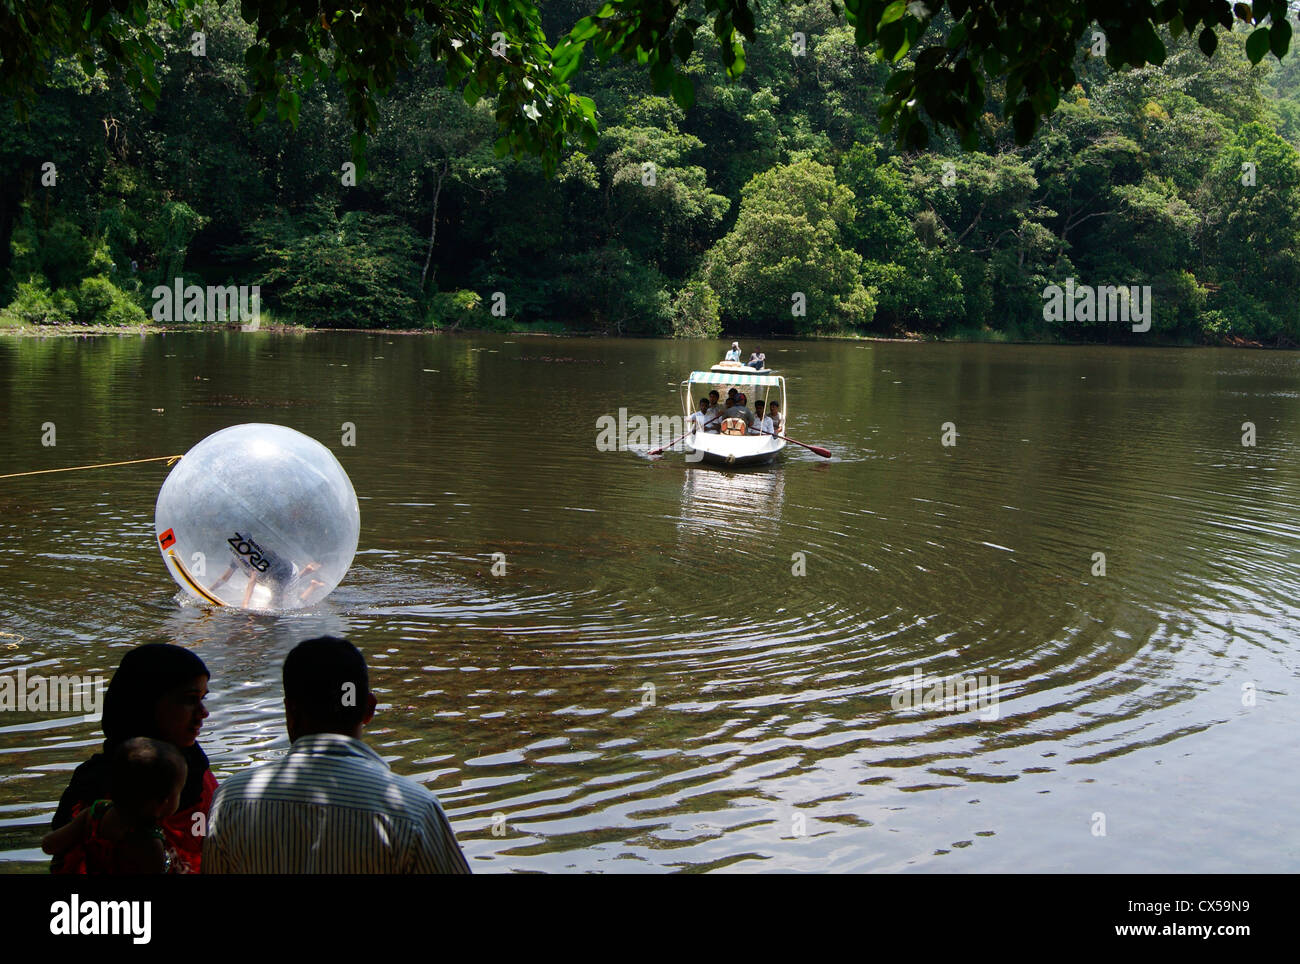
[650, 686]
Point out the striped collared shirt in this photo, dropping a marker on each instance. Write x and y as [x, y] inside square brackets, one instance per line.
[330, 806]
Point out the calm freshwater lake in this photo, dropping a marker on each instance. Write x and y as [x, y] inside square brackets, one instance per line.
[1159, 698]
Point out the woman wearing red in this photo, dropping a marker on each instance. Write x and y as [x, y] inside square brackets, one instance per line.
[157, 691]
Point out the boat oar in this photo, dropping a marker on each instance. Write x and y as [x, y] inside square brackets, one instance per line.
[676, 440]
[815, 449]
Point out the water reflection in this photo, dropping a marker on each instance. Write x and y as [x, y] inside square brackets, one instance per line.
[741, 501]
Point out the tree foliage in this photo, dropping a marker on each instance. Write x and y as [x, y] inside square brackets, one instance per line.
[692, 220]
[783, 265]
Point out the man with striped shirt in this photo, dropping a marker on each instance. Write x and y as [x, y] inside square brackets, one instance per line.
[331, 805]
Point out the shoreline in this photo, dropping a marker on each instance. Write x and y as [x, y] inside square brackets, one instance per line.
[69, 331]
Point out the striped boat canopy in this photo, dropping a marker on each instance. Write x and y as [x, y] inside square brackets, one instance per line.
[734, 378]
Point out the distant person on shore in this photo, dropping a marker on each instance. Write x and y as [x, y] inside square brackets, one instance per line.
[331, 805]
[124, 834]
[734, 353]
[158, 692]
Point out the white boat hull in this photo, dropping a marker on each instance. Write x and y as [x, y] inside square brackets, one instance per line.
[736, 368]
[731, 450]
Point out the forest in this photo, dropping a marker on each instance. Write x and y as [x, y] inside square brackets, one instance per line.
[772, 205]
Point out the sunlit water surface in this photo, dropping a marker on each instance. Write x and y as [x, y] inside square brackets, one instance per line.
[650, 686]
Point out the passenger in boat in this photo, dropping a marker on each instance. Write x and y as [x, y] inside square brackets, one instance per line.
[734, 354]
[774, 416]
[700, 419]
[756, 359]
[758, 418]
[740, 409]
[715, 405]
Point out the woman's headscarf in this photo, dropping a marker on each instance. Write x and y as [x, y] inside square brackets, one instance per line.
[143, 677]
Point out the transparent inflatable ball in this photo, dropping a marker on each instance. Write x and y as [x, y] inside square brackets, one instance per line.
[258, 517]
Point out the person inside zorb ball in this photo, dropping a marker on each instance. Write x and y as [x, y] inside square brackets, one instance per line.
[259, 517]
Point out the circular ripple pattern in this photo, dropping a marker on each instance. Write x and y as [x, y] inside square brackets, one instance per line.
[623, 663]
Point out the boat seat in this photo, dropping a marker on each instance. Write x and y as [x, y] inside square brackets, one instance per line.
[733, 426]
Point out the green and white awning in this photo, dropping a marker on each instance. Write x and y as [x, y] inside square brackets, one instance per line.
[734, 378]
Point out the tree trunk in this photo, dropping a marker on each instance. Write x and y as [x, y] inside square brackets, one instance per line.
[433, 227]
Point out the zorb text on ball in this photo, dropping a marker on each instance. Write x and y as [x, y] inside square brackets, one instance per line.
[260, 517]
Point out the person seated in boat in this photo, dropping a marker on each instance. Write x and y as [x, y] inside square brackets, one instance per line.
[757, 359]
[774, 416]
[734, 354]
[700, 419]
[740, 410]
[758, 417]
[714, 411]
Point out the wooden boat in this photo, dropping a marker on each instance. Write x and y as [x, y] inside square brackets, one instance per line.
[720, 448]
[735, 367]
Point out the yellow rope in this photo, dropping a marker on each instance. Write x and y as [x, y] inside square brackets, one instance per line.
[169, 459]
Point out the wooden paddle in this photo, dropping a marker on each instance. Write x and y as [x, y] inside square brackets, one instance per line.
[815, 449]
[676, 440]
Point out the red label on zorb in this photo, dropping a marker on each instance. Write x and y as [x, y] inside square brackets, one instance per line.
[167, 539]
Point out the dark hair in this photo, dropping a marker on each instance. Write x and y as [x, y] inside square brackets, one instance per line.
[143, 677]
[144, 772]
[758, 402]
[775, 405]
[326, 681]
[704, 401]
[712, 393]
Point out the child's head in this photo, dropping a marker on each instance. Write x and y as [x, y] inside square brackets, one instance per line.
[146, 779]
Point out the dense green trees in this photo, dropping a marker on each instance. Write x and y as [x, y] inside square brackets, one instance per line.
[771, 205]
[947, 52]
[783, 266]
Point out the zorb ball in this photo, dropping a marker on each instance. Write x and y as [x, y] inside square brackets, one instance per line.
[259, 517]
